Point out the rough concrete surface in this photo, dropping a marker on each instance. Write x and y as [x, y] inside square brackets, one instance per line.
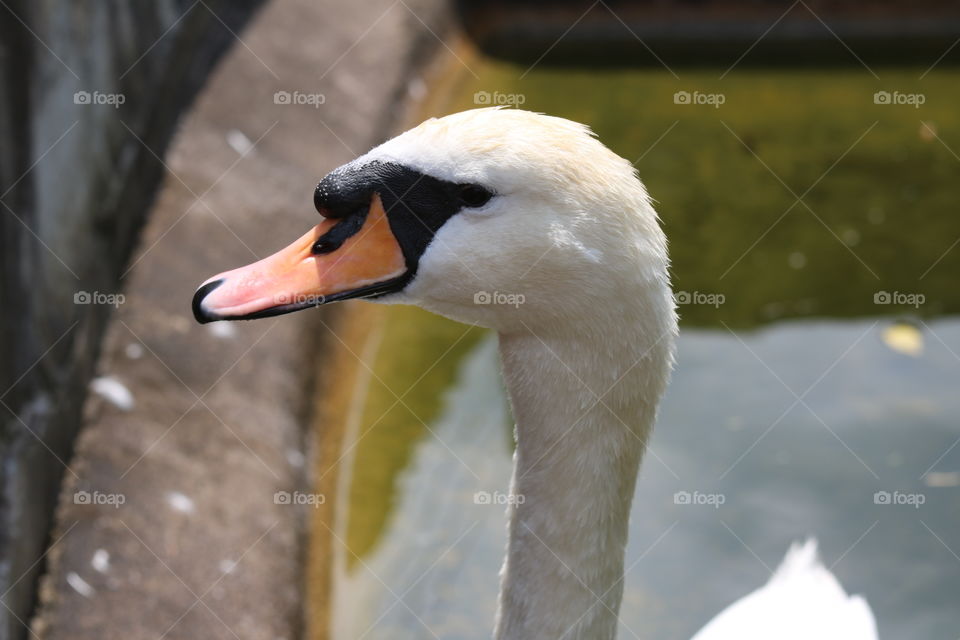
[170, 527]
[75, 183]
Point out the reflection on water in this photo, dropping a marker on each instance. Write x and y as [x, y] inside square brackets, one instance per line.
[442, 545]
[794, 429]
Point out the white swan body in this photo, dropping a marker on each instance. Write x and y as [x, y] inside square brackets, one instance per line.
[528, 225]
[802, 601]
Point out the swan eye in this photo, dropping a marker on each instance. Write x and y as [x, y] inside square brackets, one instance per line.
[473, 195]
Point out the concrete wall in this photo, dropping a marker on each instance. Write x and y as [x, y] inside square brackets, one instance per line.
[75, 181]
[199, 546]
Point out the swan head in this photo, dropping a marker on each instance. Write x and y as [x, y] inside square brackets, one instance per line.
[497, 217]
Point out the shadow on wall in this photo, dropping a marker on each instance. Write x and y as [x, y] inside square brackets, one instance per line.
[90, 93]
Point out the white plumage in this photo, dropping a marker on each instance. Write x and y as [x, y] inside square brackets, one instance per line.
[802, 601]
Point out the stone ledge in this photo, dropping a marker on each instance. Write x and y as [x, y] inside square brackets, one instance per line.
[199, 547]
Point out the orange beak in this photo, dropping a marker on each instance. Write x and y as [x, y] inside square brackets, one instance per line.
[317, 268]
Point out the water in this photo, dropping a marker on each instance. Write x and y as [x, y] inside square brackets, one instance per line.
[805, 402]
[731, 430]
[440, 550]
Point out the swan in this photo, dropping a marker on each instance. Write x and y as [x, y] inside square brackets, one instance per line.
[525, 224]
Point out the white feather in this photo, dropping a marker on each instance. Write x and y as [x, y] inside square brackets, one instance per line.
[801, 601]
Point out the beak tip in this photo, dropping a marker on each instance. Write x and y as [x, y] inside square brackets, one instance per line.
[199, 313]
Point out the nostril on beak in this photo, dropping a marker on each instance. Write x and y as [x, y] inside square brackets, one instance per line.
[201, 315]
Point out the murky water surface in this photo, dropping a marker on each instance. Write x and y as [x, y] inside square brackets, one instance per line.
[808, 400]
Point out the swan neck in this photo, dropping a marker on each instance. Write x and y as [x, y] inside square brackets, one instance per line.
[581, 428]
